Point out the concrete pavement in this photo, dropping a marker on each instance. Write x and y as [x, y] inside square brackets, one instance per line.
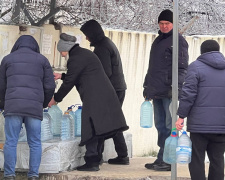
[134, 171]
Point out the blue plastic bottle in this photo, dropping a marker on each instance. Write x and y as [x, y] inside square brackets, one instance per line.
[46, 126]
[72, 121]
[146, 114]
[56, 114]
[78, 121]
[65, 127]
[184, 149]
[2, 125]
[169, 153]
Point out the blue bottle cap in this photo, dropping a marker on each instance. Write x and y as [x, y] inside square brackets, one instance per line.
[184, 132]
[79, 107]
[69, 108]
[45, 110]
[173, 134]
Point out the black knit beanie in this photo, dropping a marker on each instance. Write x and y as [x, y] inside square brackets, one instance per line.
[209, 45]
[166, 15]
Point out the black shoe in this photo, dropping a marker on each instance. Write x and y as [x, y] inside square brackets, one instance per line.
[150, 165]
[9, 178]
[33, 178]
[88, 167]
[119, 160]
[101, 162]
[162, 167]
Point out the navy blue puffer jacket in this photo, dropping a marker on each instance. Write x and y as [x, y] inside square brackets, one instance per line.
[158, 80]
[203, 94]
[26, 80]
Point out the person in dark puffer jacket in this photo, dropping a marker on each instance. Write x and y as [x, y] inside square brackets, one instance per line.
[158, 81]
[109, 56]
[203, 103]
[26, 87]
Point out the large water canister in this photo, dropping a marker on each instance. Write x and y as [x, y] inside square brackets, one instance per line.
[169, 153]
[56, 114]
[65, 126]
[184, 149]
[72, 121]
[23, 134]
[78, 119]
[146, 114]
[46, 126]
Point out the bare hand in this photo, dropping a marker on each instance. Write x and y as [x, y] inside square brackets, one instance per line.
[52, 102]
[57, 76]
[179, 124]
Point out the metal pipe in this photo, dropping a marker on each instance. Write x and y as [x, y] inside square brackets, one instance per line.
[174, 77]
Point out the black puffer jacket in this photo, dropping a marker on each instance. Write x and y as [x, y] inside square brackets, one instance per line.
[158, 79]
[26, 80]
[107, 52]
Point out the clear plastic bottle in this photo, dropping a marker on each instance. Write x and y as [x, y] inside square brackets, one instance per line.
[2, 125]
[23, 134]
[72, 121]
[146, 114]
[184, 149]
[46, 126]
[65, 126]
[78, 113]
[169, 153]
[56, 114]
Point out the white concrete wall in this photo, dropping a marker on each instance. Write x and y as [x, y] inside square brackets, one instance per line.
[134, 48]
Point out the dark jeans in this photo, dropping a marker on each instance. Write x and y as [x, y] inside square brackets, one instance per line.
[118, 139]
[214, 145]
[163, 123]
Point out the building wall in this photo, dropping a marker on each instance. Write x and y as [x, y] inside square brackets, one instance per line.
[134, 48]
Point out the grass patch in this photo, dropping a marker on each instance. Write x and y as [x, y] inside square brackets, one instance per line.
[151, 153]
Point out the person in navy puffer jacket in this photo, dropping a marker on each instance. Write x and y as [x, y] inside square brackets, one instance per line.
[203, 103]
[26, 87]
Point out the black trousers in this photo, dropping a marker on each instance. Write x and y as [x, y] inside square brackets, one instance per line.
[92, 151]
[214, 145]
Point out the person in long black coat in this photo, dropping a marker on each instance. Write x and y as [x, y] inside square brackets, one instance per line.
[102, 116]
[109, 56]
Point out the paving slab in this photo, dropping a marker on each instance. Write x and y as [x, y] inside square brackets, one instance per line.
[134, 171]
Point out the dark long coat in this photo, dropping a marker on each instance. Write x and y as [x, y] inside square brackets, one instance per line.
[101, 111]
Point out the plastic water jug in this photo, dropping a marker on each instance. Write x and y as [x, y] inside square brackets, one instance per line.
[78, 113]
[56, 114]
[146, 114]
[72, 121]
[23, 134]
[46, 126]
[169, 153]
[2, 125]
[65, 126]
[184, 149]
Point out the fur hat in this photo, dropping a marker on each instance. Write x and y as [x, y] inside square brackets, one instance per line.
[66, 42]
[209, 45]
[166, 15]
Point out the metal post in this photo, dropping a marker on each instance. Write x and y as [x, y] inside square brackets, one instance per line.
[174, 77]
